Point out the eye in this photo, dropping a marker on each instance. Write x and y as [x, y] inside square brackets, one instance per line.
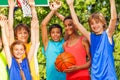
[71, 24]
[19, 32]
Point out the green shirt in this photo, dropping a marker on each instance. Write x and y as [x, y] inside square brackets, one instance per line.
[3, 67]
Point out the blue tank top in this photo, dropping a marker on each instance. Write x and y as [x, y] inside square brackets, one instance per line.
[14, 70]
[102, 67]
[51, 53]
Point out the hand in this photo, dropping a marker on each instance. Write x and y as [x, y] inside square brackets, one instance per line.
[11, 3]
[55, 5]
[3, 21]
[69, 2]
[31, 3]
[71, 69]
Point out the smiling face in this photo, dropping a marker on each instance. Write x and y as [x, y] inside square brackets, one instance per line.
[97, 23]
[96, 26]
[55, 34]
[55, 31]
[69, 27]
[18, 49]
[22, 35]
[22, 32]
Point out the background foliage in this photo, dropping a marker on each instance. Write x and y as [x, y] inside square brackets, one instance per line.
[83, 9]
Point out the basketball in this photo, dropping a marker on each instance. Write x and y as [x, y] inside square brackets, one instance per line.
[64, 61]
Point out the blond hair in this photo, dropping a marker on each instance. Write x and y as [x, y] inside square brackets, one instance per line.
[97, 17]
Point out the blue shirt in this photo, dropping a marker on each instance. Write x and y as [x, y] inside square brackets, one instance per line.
[101, 49]
[51, 53]
[14, 70]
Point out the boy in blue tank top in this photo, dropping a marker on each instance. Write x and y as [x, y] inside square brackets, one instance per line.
[53, 47]
[17, 66]
[101, 42]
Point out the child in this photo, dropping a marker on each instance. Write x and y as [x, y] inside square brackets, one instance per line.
[80, 71]
[22, 32]
[78, 46]
[3, 64]
[101, 42]
[52, 48]
[18, 67]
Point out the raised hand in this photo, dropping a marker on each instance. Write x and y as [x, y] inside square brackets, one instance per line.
[11, 3]
[3, 21]
[55, 5]
[31, 3]
[69, 2]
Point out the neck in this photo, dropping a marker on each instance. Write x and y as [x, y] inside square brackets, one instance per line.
[19, 60]
[73, 36]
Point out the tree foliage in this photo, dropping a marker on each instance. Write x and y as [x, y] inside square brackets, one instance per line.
[83, 9]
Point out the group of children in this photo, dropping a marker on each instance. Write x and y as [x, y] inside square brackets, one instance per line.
[93, 50]
[20, 54]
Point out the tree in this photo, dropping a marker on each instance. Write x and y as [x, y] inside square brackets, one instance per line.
[83, 9]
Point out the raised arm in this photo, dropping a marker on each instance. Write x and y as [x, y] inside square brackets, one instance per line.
[113, 19]
[3, 24]
[60, 16]
[34, 31]
[76, 21]
[10, 31]
[45, 21]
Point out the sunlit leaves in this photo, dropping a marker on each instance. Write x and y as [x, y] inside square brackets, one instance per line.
[83, 9]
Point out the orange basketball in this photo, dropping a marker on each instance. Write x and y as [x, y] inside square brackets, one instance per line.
[64, 61]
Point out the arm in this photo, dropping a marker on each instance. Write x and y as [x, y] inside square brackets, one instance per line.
[60, 16]
[56, 13]
[10, 30]
[76, 21]
[44, 23]
[34, 22]
[34, 31]
[3, 24]
[86, 45]
[113, 19]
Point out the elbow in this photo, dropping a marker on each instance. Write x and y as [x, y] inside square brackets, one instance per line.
[89, 63]
[43, 24]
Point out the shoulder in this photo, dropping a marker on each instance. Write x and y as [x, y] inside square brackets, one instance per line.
[84, 40]
[64, 44]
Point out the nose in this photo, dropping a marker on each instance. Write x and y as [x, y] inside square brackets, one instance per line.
[55, 34]
[23, 34]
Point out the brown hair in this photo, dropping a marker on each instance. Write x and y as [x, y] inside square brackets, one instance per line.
[69, 17]
[17, 42]
[20, 27]
[97, 17]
